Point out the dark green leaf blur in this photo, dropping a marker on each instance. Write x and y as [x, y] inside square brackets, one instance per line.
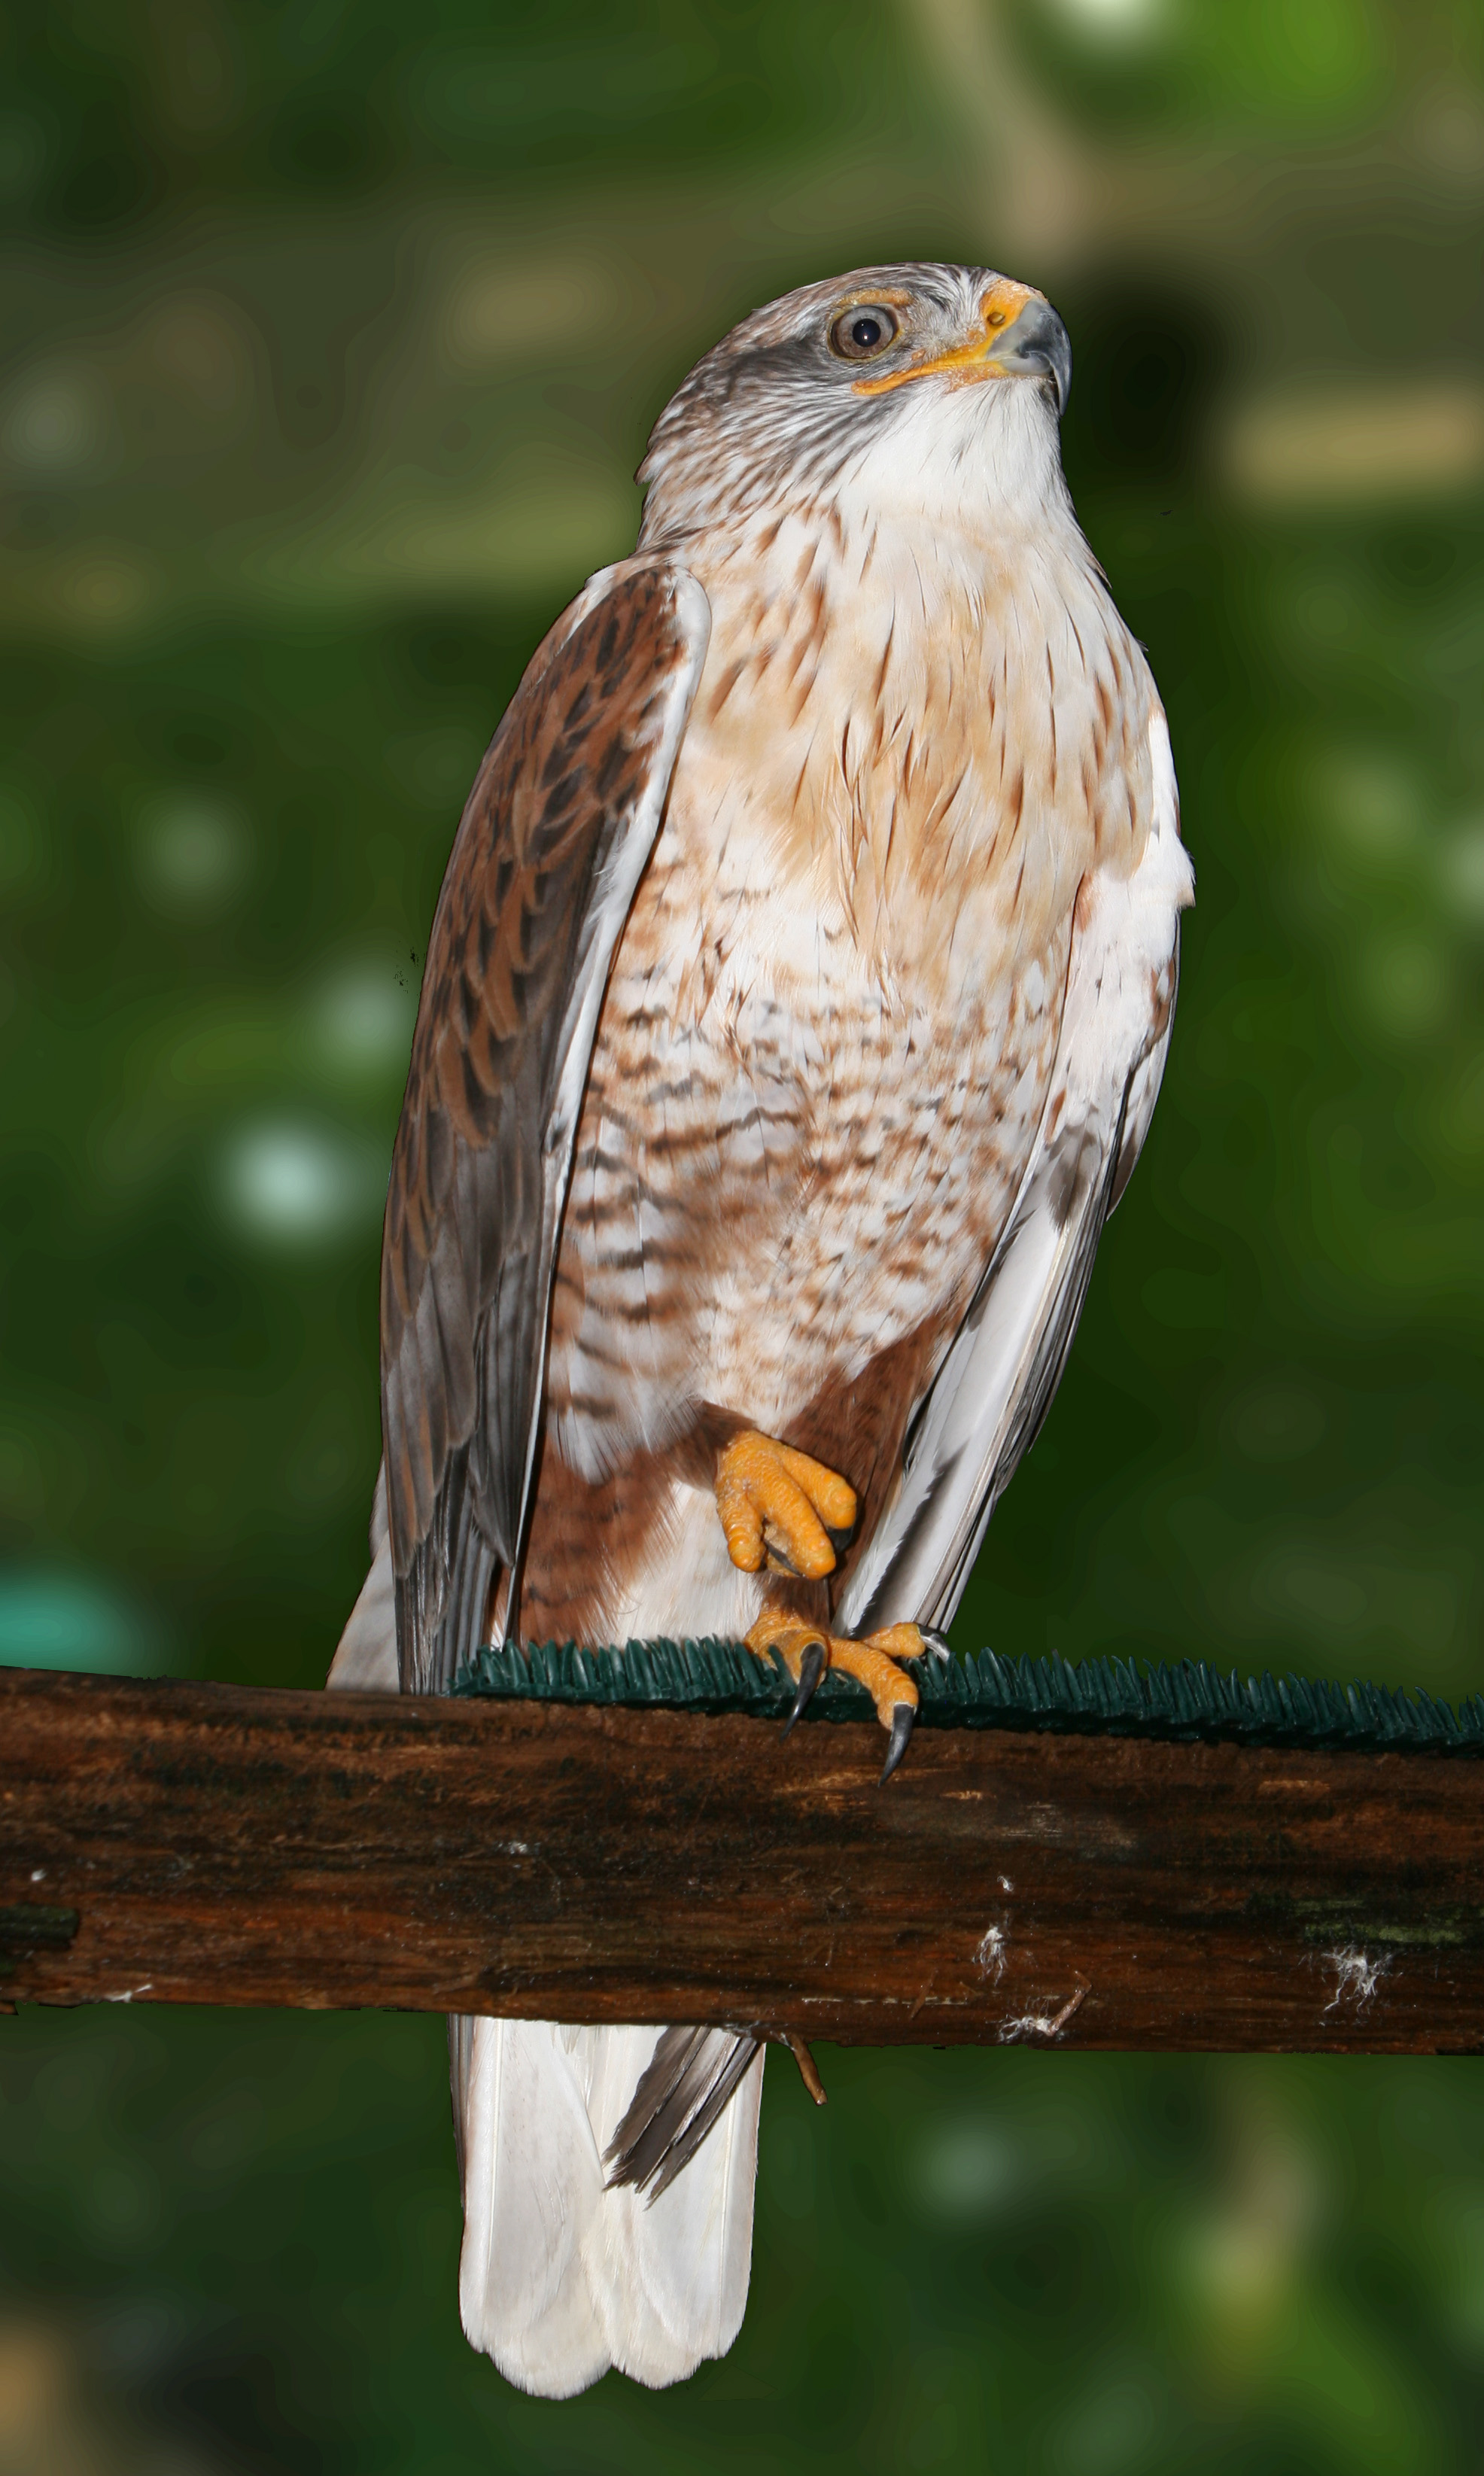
[332, 332]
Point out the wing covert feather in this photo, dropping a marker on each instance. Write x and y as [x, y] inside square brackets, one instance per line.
[553, 842]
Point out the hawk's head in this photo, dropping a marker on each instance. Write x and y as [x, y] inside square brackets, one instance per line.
[900, 373]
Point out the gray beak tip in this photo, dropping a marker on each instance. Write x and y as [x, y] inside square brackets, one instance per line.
[1038, 346]
[1054, 350]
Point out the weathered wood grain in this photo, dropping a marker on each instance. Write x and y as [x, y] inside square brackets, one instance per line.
[203, 1844]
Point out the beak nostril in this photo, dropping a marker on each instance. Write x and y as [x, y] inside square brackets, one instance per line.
[1020, 337]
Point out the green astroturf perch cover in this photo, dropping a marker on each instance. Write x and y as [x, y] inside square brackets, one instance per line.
[1094, 1696]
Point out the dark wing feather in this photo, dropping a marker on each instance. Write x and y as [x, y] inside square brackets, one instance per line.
[555, 838]
[995, 1386]
[993, 1391]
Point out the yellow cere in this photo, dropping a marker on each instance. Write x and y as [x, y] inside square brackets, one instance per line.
[1000, 307]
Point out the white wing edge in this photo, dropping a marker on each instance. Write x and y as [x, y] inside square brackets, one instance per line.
[365, 1659]
[995, 1386]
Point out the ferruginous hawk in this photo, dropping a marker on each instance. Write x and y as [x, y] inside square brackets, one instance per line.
[794, 1011]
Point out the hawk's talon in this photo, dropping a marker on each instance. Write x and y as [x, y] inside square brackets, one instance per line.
[903, 1721]
[807, 1650]
[935, 1641]
[813, 1660]
[781, 1508]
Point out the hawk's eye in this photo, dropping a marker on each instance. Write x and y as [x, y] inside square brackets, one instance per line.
[859, 335]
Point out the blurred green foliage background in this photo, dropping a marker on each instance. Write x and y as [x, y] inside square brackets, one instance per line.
[333, 332]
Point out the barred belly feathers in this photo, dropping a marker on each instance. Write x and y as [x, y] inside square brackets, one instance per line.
[794, 1012]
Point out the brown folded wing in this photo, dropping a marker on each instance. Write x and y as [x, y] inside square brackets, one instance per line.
[550, 850]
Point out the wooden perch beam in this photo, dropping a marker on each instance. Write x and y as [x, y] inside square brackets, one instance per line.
[208, 1844]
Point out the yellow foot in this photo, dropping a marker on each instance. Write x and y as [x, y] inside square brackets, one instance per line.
[780, 1508]
[807, 1650]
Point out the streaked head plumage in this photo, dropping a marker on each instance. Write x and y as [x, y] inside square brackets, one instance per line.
[813, 383]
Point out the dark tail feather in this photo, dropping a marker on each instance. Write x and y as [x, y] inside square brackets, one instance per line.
[681, 2096]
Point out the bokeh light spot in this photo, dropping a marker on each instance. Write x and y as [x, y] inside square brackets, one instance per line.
[292, 1183]
[192, 856]
[363, 1017]
[54, 425]
[964, 2171]
[1462, 869]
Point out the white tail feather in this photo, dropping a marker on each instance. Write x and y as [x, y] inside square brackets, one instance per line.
[561, 2278]
[532, 2186]
[670, 2273]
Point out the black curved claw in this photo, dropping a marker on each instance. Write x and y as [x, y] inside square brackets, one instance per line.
[935, 1642]
[777, 1556]
[903, 1718]
[811, 1667]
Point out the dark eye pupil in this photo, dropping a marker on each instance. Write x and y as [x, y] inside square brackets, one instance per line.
[859, 335]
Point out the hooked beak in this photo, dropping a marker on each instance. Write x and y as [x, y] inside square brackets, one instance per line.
[1021, 338]
[1038, 346]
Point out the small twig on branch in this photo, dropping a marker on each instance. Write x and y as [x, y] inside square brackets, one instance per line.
[809, 2068]
[1044, 2024]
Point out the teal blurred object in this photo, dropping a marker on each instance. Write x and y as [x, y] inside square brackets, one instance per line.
[333, 339]
[50, 1619]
